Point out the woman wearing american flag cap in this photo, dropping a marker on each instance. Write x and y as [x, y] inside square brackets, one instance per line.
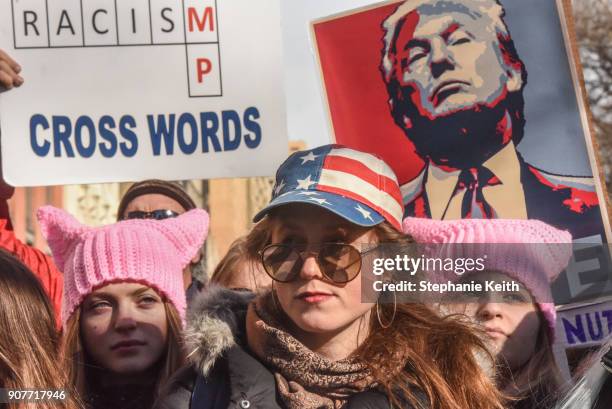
[312, 342]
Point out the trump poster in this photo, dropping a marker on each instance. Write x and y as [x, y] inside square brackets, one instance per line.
[476, 104]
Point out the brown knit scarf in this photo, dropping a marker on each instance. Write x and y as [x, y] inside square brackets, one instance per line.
[305, 379]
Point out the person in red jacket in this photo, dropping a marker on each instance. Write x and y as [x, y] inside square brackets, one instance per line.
[40, 263]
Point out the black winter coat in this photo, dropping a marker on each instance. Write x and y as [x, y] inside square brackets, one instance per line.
[222, 374]
[377, 400]
[368, 400]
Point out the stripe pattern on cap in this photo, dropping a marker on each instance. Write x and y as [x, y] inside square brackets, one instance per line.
[364, 178]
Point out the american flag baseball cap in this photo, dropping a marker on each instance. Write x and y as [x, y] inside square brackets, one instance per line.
[357, 186]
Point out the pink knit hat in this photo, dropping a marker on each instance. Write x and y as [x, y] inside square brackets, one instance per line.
[535, 266]
[152, 252]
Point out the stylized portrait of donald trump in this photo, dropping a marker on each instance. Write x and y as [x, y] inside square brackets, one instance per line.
[455, 82]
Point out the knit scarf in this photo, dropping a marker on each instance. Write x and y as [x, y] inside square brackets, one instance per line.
[305, 379]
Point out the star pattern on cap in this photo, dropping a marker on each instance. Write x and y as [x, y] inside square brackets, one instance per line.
[364, 213]
[319, 201]
[305, 183]
[308, 193]
[279, 187]
[308, 158]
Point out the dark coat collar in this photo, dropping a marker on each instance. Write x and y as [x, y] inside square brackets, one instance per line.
[215, 324]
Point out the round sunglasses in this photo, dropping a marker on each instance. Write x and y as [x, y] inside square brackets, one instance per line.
[339, 262]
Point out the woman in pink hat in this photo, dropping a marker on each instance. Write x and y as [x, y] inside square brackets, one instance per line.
[124, 302]
[312, 342]
[520, 321]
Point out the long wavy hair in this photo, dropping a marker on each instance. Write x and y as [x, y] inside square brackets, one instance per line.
[421, 350]
[539, 379]
[80, 366]
[29, 341]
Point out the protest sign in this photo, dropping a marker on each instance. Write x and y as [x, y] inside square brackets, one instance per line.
[119, 91]
[477, 106]
[585, 325]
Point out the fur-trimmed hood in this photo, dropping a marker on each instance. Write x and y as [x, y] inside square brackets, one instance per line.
[215, 319]
[221, 372]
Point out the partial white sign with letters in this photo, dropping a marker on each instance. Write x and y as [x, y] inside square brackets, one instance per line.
[119, 91]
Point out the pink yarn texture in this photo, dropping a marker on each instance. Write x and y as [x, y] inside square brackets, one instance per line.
[546, 251]
[152, 252]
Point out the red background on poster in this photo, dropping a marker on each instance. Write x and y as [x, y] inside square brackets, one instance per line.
[350, 49]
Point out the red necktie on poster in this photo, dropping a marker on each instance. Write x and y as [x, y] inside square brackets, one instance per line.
[472, 181]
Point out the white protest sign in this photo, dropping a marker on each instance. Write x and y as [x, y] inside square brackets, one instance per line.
[118, 91]
[584, 325]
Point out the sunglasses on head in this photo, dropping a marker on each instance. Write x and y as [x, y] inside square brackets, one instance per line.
[159, 214]
[339, 263]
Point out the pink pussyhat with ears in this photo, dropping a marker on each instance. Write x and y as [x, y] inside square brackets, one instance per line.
[546, 251]
[151, 252]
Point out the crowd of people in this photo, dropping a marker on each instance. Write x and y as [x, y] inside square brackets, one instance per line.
[281, 323]
[124, 315]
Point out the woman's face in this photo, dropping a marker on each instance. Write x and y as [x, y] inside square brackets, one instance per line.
[311, 301]
[511, 319]
[124, 327]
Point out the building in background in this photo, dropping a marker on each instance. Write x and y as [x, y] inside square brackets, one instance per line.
[232, 203]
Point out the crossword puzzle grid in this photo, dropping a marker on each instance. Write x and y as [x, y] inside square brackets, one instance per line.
[193, 24]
